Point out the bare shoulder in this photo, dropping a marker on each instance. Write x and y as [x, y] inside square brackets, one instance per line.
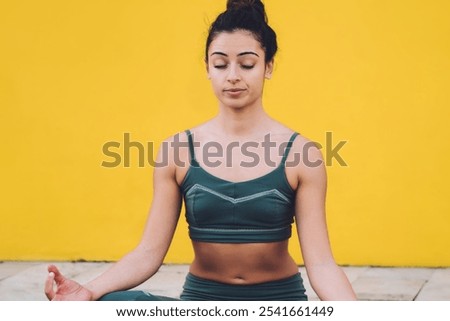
[173, 156]
[307, 147]
[173, 146]
[306, 159]
[177, 137]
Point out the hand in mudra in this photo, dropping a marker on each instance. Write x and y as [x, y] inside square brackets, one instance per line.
[59, 288]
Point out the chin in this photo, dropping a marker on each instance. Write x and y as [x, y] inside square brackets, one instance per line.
[236, 103]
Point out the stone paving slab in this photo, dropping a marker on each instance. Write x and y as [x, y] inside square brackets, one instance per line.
[392, 284]
[437, 288]
[25, 281]
[11, 268]
[352, 274]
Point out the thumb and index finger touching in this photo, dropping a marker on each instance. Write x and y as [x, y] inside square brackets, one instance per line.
[54, 275]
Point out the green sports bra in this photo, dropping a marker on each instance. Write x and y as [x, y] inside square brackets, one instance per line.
[258, 210]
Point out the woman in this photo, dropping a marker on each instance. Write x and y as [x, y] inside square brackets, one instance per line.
[239, 212]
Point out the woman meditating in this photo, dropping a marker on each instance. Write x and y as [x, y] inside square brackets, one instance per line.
[240, 207]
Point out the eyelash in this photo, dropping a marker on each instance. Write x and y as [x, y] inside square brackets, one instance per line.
[243, 66]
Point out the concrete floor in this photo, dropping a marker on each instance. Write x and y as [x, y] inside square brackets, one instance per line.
[24, 281]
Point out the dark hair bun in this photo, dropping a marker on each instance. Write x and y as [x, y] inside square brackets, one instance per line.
[256, 5]
[249, 15]
[238, 4]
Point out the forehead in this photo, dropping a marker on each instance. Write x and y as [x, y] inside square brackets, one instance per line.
[232, 43]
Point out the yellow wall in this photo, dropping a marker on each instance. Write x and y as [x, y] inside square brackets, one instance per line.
[75, 75]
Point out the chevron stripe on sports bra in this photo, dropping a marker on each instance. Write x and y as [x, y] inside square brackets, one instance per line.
[258, 210]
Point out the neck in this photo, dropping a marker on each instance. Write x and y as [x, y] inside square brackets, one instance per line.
[242, 122]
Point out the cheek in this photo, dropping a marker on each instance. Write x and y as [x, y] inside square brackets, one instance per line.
[214, 74]
[257, 80]
[216, 85]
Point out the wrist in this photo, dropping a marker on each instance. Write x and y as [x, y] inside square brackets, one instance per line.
[94, 295]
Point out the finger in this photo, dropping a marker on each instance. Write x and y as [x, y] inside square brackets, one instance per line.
[58, 277]
[49, 292]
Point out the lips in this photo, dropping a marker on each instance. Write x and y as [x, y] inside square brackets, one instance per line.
[234, 90]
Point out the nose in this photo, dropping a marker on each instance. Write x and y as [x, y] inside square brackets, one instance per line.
[233, 74]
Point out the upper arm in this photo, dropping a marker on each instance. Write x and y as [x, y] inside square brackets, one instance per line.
[310, 210]
[165, 208]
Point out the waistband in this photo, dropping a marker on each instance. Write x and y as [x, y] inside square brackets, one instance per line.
[287, 289]
[239, 235]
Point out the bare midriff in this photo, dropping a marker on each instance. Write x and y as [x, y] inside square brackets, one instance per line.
[246, 263]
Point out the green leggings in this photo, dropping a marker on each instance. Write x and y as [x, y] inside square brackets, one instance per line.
[199, 289]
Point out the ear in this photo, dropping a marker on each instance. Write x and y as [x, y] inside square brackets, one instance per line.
[269, 69]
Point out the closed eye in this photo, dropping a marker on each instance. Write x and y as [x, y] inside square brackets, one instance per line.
[242, 66]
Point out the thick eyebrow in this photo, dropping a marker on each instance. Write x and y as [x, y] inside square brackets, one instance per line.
[248, 53]
[240, 54]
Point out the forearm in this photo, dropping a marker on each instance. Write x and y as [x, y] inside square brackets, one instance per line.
[330, 282]
[133, 269]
